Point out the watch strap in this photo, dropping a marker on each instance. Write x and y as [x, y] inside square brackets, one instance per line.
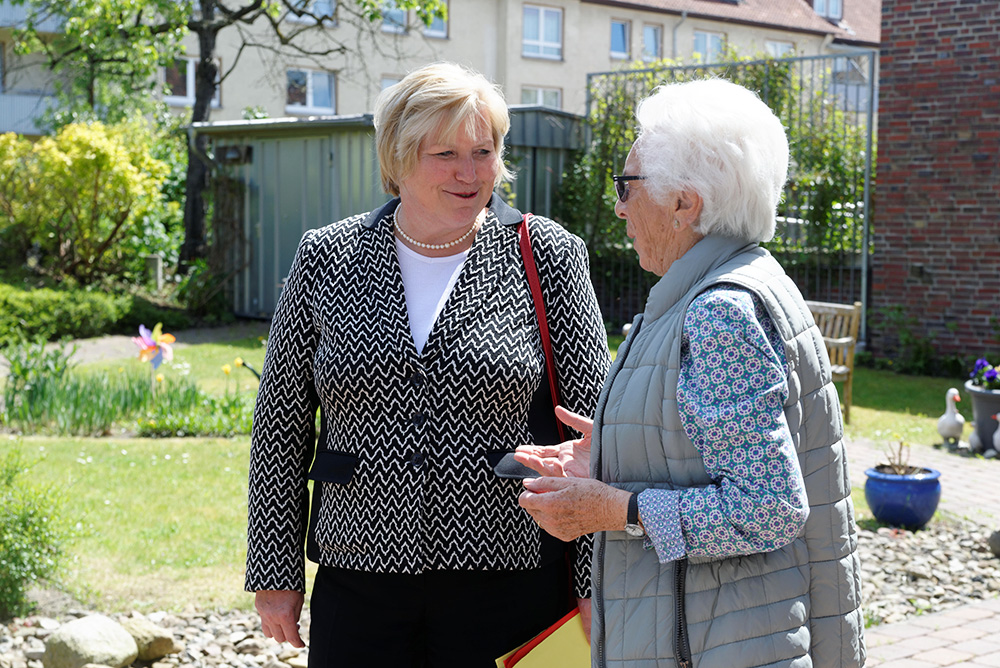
[633, 509]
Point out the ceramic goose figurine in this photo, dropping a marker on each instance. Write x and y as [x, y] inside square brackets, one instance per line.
[950, 424]
[996, 434]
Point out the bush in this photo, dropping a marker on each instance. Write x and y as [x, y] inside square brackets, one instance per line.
[67, 313]
[31, 534]
[54, 314]
[87, 200]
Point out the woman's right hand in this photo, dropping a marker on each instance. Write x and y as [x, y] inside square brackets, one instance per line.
[279, 612]
[569, 459]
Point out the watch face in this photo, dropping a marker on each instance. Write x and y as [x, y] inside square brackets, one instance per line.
[634, 530]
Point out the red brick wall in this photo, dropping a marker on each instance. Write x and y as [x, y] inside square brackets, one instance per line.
[937, 196]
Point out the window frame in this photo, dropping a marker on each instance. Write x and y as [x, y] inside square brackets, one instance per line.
[709, 34]
[438, 34]
[825, 9]
[294, 18]
[390, 6]
[775, 42]
[540, 42]
[309, 108]
[627, 27]
[540, 92]
[659, 42]
[189, 83]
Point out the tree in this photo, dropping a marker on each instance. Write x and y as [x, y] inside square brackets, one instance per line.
[110, 50]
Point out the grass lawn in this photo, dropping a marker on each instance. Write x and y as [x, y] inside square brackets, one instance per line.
[162, 522]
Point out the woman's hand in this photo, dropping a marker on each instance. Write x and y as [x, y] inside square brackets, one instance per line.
[569, 459]
[568, 508]
[279, 612]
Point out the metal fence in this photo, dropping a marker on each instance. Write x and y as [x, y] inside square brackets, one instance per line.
[827, 104]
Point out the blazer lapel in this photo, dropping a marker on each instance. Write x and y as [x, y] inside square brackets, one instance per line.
[375, 268]
[493, 255]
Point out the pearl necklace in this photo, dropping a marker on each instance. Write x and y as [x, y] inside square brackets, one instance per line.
[420, 244]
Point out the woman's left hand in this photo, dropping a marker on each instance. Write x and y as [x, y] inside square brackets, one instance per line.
[568, 508]
[570, 459]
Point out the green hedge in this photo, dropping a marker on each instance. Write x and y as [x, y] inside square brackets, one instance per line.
[54, 314]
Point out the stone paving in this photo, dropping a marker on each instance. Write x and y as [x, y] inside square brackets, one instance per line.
[963, 637]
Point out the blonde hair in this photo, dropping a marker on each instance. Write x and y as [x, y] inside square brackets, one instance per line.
[718, 139]
[440, 95]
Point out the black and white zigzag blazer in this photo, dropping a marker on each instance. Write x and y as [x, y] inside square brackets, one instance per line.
[403, 465]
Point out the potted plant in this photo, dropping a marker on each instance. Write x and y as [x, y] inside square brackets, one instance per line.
[984, 388]
[902, 495]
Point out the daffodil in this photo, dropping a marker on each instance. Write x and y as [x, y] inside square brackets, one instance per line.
[238, 361]
[226, 369]
[159, 378]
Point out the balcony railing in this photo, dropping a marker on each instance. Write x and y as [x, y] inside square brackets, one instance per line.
[18, 112]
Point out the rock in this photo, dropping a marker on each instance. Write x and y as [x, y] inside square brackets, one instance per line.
[251, 646]
[300, 661]
[154, 642]
[994, 543]
[94, 639]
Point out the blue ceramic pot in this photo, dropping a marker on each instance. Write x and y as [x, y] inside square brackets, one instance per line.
[907, 501]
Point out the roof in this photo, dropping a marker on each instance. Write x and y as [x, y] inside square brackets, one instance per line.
[861, 23]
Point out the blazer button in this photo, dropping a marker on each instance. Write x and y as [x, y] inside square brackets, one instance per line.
[417, 380]
[419, 419]
[417, 460]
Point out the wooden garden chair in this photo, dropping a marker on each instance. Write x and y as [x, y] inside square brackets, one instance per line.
[839, 324]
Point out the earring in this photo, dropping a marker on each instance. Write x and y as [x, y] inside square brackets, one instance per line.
[677, 224]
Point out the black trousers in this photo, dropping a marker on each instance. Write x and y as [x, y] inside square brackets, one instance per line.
[440, 619]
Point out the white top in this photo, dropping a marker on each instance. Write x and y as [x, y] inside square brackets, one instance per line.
[427, 284]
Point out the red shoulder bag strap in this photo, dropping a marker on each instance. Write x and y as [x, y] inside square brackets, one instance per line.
[543, 326]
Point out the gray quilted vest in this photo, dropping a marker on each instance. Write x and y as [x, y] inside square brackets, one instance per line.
[796, 607]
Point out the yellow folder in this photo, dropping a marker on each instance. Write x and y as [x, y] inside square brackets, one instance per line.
[562, 645]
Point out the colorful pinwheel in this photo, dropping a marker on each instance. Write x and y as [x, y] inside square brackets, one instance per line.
[154, 346]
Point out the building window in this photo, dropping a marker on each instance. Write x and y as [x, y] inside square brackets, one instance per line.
[321, 8]
[829, 9]
[619, 39]
[542, 36]
[547, 97]
[389, 80]
[393, 18]
[437, 28]
[708, 46]
[178, 87]
[310, 92]
[652, 42]
[779, 49]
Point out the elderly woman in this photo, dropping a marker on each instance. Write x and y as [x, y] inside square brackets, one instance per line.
[413, 328]
[717, 472]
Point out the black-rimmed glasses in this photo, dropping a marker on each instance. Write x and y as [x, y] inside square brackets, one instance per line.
[621, 184]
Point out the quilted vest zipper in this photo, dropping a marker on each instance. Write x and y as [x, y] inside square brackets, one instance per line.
[682, 645]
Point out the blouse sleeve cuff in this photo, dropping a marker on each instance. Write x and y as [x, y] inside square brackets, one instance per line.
[659, 510]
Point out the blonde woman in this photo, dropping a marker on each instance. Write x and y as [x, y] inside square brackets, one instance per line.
[412, 327]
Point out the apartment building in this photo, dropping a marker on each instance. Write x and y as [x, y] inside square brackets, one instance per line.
[540, 51]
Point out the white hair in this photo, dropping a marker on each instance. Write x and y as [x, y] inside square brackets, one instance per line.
[718, 139]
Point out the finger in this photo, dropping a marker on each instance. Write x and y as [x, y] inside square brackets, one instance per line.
[292, 636]
[544, 485]
[579, 422]
[531, 461]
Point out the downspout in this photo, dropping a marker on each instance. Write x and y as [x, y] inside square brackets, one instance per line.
[673, 46]
[193, 144]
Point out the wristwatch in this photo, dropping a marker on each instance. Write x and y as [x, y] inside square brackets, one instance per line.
[632, 526]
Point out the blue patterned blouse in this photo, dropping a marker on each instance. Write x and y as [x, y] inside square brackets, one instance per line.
[730, 392]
